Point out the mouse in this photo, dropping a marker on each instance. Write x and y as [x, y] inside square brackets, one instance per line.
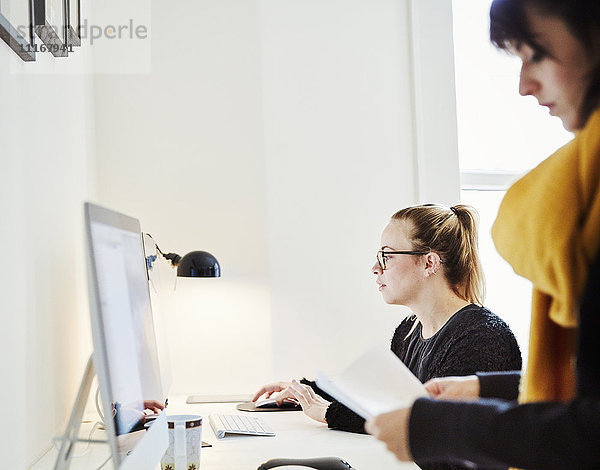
[320, 463]
[272, 403]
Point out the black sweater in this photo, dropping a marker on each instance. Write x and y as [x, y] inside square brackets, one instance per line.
[473, 339]
[545, 435]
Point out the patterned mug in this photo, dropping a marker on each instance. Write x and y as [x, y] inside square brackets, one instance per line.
[185, 441]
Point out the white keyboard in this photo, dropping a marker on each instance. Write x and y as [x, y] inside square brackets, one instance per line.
[238, 424]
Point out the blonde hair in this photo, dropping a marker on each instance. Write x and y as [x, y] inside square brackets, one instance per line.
[452, 234]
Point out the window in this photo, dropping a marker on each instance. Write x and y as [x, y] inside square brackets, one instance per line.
[501, 135]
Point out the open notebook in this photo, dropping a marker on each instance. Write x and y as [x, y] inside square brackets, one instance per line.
[374, 383]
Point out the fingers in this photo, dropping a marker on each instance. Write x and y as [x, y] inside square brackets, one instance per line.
[269, 389]
[312, 394]
[312, 405]
[371, 428]
[300, 393]
[392, 429]
[317, 398]
[290, 399]
[264, 390]
[153, 405]
[454, 388]
[261, 392]
[307, 394]
[374, 425]
[434, 387]
[284, 395]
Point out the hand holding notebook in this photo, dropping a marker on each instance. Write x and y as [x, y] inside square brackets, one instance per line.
[374, 383]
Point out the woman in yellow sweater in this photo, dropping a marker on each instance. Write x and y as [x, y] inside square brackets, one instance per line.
[548, 229]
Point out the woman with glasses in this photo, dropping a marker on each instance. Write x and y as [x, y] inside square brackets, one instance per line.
[548, 229]
[428, 262]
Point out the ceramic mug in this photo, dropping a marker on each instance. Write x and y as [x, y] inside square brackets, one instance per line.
[185, 442]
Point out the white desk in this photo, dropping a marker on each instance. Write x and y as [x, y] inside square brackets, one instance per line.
[297, 436]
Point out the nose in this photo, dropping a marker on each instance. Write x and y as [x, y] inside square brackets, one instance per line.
[376, 269]
[527, 84]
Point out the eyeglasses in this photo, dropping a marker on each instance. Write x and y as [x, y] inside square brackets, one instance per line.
[382, 256]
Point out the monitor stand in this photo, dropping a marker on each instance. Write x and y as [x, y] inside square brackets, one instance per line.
[70, 437]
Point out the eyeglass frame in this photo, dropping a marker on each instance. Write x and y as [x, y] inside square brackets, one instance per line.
[382, 264]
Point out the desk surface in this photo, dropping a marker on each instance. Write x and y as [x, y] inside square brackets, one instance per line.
[297, 436]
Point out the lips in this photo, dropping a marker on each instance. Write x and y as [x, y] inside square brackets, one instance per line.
[550, 106]
[381, 285]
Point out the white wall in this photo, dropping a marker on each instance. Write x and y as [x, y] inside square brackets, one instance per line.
[434, 95]
[182, 149]
[281, 141]
[46, 161]
[339, 141]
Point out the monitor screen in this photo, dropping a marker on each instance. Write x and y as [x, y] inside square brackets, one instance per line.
[125, 347]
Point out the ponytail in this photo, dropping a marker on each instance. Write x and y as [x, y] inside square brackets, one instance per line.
[452, 234]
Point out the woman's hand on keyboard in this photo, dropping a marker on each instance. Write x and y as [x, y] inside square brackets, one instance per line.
[313, 405]
[272, 388]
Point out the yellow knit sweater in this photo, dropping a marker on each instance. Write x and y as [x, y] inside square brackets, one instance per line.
[548, 229]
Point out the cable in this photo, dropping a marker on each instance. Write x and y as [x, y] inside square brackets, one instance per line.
[40, 457]
[87, 448]
[94, 428]
[98, 405]
[105, 462]
[155, 244]
[89, 438]
[173, 258]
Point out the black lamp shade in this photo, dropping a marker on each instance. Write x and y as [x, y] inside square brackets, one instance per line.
[198, 264]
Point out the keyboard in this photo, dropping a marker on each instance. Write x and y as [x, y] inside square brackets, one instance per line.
[223, 425]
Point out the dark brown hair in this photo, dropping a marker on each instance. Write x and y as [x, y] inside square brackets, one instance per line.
[509, 26]
[452, 234]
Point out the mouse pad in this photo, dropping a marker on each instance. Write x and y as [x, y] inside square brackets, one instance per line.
[251, 406]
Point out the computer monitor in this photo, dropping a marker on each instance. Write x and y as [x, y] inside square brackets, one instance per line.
[125, 348]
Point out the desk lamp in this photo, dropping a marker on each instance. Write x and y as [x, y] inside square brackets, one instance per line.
[194, 264]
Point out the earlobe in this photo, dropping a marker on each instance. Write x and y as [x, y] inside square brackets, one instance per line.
[432, 264]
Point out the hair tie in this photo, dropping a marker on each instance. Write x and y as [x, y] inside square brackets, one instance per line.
[453, 209]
